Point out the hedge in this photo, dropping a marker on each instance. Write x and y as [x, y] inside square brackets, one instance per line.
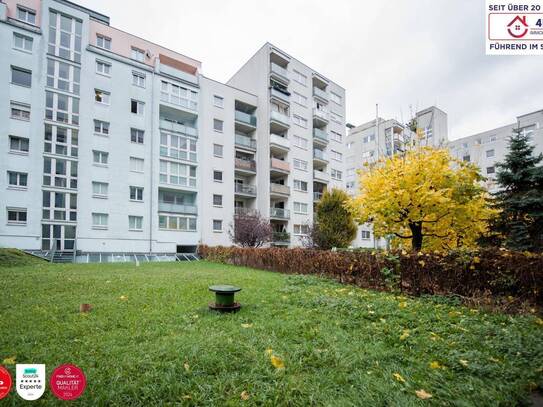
[482, 274]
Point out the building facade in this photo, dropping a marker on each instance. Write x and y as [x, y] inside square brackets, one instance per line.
[111, 143]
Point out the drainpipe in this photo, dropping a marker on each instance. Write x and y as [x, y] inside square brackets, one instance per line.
[152, 155]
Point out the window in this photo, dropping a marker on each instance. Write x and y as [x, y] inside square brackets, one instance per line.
[336, 118]
[299, 77]
[300, 185]
[99, 189]
[101, 97]
[62, 108]
[217, 225]
[466, 158]
[16, 216]
[64, 36]
[63, 76]
[300, 207]
[103, 42]
[217, 176]
[59, 206]
[59, 172]
[20, 111]
[136, 194]
[217, 200]
[136, 164]
[492, 138]
[99, 220]
[365, 234]
[103, 68]
[368, 138]
[22, 42]
[136, 107]
[336, 155]
[337, 175]
[177, 174]
[27, 15]
[138, 79]
[334, 97]
[136, 136]
[178, 95]
[368, 154]
[218, 125]
[490, 170]
[334, 135]
[217, 150]
[137, 54]
[490, 153]
[17, 179]
[180, 147]
[100, 157]
[300, 121]
[21, 77]
[218, 101]
[300, 164]
[301, 142]
[135, 223]
[101, 127]
[301, 229]
[182, 223]
[300, 99]
[18, 144]
[61, 140]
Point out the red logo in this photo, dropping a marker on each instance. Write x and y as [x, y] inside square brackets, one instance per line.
[5, 382]
[518, 27]
[68, 382]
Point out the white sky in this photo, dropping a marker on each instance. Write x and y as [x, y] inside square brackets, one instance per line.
[402, 54]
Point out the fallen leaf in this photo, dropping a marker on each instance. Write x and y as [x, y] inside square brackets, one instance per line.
[186, 366]
[539, 321]
[244, 395]
[404, 335]
[9, 361]
[463, 362]
[277, 362]
[435, 365]
[399, 377]
[246, 325]
[422, 394]
[402, 304]
[123, 297]
[269, 351]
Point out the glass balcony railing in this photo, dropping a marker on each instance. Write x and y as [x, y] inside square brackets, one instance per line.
[320, 93]
[245, 189]
[245, 141]
[320, 134]
[281, 95]
[245, 211]
[178, 127]
[281, 237]
[280, 117]
[320, 155]
[317, 196]
[279, 213]
[279, 141]
[279, 189]
[177, 208]
[248, 165]
[245, 118]
[321, 175]
[279, 70]
[277, 164]
[321, 114]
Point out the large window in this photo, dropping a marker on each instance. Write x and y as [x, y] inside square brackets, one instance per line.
[179, 95]
[181, 147]
[17, 179]
[63, 76]
[21, 76]
[61, 140]
[177, 174]
[22, 42]
[59, 206]
[61, 108]
[182, 223]
[64, 36]
[60, 173]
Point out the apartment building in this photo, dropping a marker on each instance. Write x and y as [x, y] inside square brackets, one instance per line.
[111, 143]
[380, 137]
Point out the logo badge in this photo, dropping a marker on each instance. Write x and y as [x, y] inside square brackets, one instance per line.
[5, 382]
[30, 381]
[68, 382]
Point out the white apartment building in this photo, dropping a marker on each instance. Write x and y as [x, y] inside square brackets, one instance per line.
[111, 143]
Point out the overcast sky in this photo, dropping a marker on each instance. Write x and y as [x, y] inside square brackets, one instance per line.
[403, 55]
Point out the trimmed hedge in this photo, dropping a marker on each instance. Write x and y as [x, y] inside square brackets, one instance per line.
[478, 274]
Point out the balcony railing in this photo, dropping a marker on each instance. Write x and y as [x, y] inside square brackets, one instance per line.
[168, 70]
[277, 164]
[317, 196]
[320, 134]
[245, 189]
[245, 118]
[280, 117]
[320, 155]
[321, 114]
[281, 237]
[249, 165]
[178, 128]
[279, 140]
[279, 70]
[321, 175]
[320, 93]
[245, 211]
[279, 189]
[279, 213]
[245, 141]
[177, 208]
[277, 93]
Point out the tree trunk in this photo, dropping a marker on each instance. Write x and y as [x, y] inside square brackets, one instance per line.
[416, 232]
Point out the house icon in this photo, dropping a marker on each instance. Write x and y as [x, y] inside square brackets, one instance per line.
[518, 27]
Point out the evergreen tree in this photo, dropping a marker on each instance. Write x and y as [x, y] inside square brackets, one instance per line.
[520, 199]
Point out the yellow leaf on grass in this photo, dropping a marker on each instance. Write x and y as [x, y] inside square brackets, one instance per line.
[269, 351]
[463, 362]
[404, 335]
[402, 304]
[244, 395]
[186, 366]
[539, 321]
[277, 362]
[123, 298]
[476, 259]
[399, 377]
[435, 365]
[422, 394]
[9, 361]
[246, 325]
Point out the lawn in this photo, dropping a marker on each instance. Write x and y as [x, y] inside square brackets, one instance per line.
[151, 340]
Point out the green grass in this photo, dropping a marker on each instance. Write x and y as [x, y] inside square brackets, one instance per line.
[340, 345]
[14, 257]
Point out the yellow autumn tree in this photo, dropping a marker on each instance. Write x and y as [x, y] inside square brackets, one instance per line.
[424, 196]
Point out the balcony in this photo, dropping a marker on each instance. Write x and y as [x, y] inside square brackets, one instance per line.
[317, 196]
[279, 189]
[178, 74]
[320, 116]
[321, 94]
[279, 142]
[245, 121]
[278, 72]
[320, 136]
[276, 93]
[177, 208]
[244, 189]
[321, 176]
[319, 155]
[281, 238]
[279, 165]
[178, 128]
[280, 119]
[244, 165]
[279, 213]
[245, 211]
[245, 142]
